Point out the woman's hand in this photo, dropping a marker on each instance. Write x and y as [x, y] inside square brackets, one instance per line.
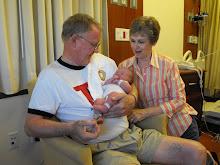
[137, 115]
[124, 106]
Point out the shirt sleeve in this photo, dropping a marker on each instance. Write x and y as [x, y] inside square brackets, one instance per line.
[176, 95]
[44, 99]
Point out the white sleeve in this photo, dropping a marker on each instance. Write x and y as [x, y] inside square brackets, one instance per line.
[99, 63]
[44, 96]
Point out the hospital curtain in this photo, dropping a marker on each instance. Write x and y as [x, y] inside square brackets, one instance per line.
[209, 42]
[30, 36]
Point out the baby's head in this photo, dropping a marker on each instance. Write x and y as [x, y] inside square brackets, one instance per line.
[124, 74]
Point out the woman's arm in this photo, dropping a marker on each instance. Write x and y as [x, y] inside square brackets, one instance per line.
[176, 98]
[176, 94]
[137, 115]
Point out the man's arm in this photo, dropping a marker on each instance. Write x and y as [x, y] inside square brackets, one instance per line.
[38, 126]
[126, 102]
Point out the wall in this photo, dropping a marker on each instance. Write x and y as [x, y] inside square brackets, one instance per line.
[13, 113]
[170, 15]
[190, 28]
[121, 17]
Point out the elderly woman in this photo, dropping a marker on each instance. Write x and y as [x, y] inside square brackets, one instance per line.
[160, 87]
[157, 78]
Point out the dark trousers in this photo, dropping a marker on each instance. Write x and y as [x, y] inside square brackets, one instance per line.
[193, 133]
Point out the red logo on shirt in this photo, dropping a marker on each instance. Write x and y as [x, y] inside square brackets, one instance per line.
[84, 89]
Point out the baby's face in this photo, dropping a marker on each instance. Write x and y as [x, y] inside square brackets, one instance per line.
[122, 74]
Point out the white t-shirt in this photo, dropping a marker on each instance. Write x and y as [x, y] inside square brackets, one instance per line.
[62, 91]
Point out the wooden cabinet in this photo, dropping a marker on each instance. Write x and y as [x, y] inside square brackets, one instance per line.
[193, 91]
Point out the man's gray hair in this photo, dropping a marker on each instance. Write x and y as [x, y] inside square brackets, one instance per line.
[78, 23]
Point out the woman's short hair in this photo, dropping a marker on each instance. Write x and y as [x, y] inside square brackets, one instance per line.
[146, 25]
[78, 23]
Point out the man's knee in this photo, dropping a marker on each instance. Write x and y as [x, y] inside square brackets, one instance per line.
[201, 153]
[181, 151]
[198, 152]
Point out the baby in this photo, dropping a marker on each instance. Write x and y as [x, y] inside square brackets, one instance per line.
[119, 83]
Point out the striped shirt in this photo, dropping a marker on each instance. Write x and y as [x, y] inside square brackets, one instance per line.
[160, 84]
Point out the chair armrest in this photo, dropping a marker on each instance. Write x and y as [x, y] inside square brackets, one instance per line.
[158, 122]
[30, 86]
[63, 150]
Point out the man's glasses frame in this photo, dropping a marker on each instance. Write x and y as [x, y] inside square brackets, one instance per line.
[93, 45]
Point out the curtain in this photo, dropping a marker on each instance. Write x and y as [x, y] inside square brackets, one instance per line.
[209, 42]
[9, 46]
[30, 36]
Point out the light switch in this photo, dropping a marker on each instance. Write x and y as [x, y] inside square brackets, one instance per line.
[121, 34]
[195, 40]
[192, 39]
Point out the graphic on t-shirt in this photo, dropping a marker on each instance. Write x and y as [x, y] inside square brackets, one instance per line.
[84, 89]
[102, 74]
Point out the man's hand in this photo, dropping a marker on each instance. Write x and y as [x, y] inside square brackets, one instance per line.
[80, 132]
[125, 104]
[38, 126]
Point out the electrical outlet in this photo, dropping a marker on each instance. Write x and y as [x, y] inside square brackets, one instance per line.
[13, 140]
[189, 18]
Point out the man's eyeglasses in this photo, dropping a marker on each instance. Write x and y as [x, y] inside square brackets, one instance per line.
[93, 45]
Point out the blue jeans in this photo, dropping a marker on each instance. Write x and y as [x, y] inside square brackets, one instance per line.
[192, 132]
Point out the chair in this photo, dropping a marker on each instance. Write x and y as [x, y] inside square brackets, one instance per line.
[63, 150]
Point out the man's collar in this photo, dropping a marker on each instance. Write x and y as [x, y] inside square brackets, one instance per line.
[70, 66]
